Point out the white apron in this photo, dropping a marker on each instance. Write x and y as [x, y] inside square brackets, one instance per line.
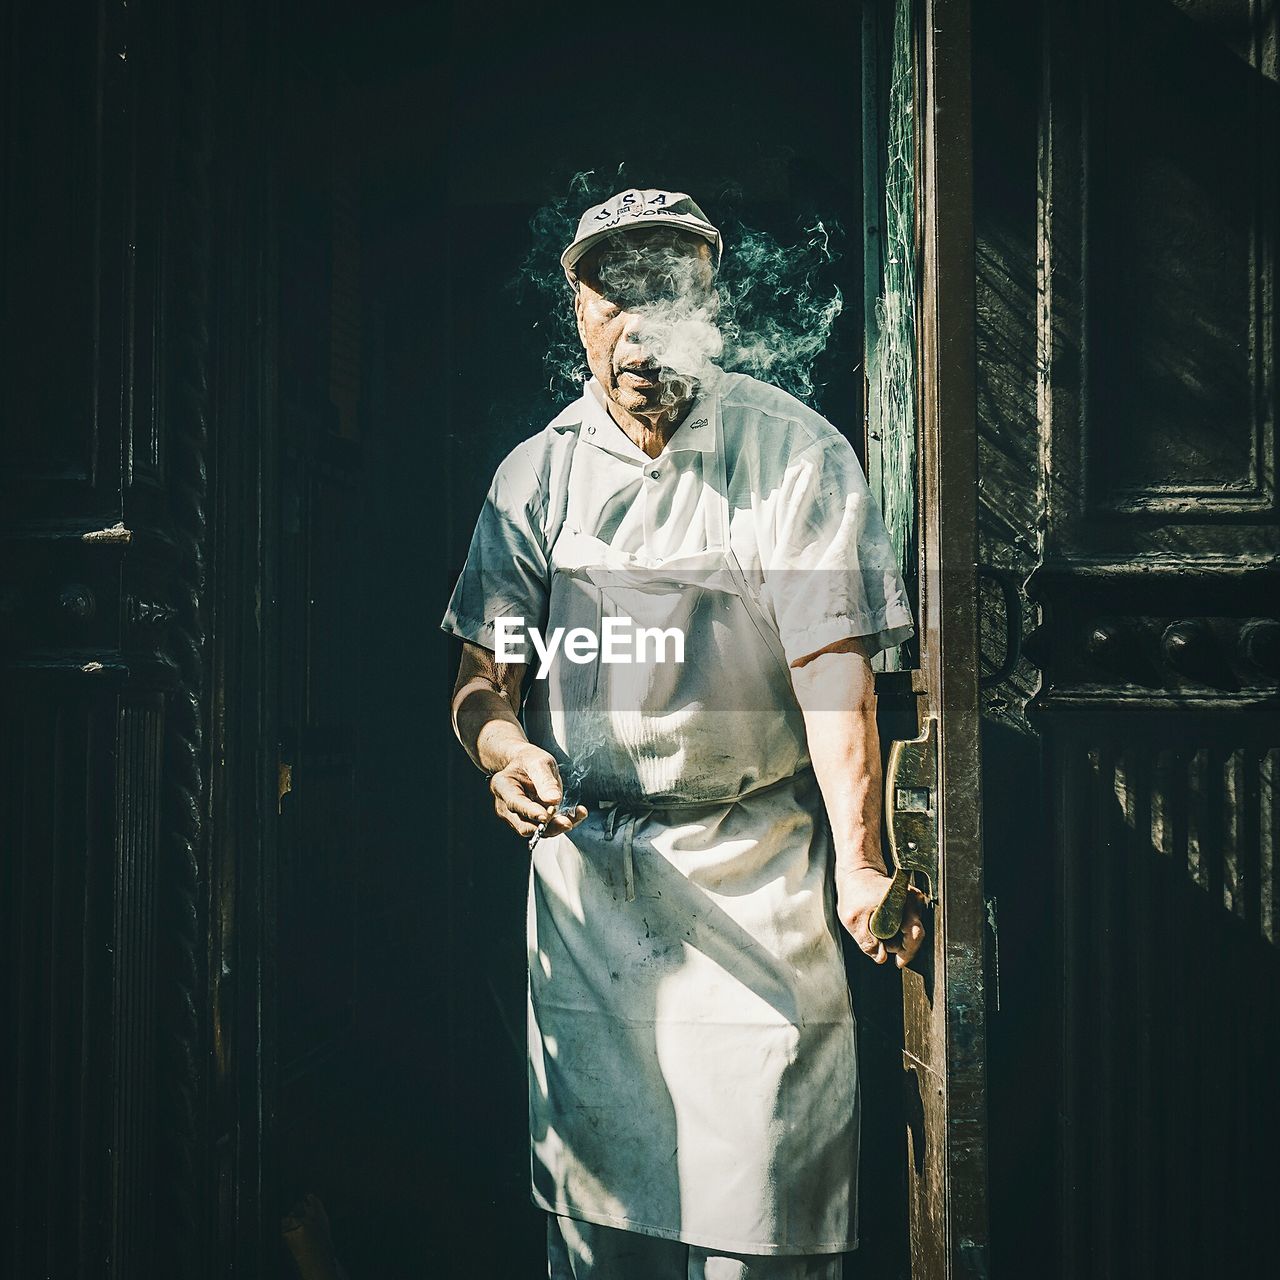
[692, 1069]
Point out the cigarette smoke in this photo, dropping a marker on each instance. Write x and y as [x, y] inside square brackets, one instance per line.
[573, 778]
[669, 286]
[770, 314]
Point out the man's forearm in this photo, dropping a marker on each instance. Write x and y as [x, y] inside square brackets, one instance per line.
[522, 776]
[836, 691]
[488, 729]
[485, 699]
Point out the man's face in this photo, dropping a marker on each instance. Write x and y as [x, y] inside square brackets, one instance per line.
[634, 292]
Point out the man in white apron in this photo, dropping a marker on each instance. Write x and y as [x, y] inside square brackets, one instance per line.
[693, 1092]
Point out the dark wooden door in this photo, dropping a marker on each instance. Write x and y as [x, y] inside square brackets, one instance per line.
[945, 1046]
[1160, 636]
[106, 303]
[922, 453]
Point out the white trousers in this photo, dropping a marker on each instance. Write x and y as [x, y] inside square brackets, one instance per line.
[579, 1250]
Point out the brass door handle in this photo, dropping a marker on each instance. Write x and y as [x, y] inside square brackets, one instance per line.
[886, 919]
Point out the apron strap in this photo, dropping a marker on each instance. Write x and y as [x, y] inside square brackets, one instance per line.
[719, 482]
[558, 519]
[616, 814]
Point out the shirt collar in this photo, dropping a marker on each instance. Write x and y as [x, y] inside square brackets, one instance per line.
[698, 431]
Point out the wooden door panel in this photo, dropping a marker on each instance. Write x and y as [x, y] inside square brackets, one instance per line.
[946, 1010]
[1179, 266]
[105, 419]
[1159, 636]
[943, 994]
[56, 213]
[1158, 414]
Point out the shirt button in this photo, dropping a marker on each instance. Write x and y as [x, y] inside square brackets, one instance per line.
[591, 431]
[654, 474]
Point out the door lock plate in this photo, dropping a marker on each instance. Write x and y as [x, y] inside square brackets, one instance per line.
[911, 807]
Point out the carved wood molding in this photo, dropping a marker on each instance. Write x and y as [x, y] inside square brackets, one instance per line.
[1163, 637]
[187, 409]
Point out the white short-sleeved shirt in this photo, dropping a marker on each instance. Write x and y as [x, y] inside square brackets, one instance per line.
[803, 524]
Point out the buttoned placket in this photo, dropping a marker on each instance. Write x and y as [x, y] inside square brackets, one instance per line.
[696, 434]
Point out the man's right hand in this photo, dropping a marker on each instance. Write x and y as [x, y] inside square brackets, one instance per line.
[526, 792]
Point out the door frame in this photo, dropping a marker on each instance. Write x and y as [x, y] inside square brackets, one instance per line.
[944, 996]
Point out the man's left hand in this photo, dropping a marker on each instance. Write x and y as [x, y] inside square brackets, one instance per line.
[858, 894]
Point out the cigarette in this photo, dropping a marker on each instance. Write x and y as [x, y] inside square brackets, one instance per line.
[567, 803]
[542, 827]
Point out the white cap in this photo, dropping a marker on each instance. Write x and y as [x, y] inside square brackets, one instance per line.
[637, 210]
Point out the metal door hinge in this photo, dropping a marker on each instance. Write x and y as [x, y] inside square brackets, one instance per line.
[911, 808]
